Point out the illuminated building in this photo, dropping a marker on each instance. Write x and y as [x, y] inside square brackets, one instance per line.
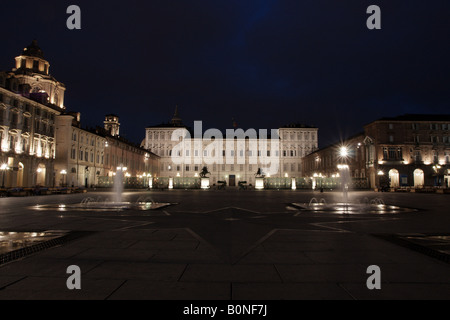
[240, 162]
[30, 99]
[90, 157]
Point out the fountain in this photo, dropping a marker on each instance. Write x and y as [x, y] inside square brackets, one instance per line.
[91, 204]
[118, 184]
[373, 206]
[143, 203]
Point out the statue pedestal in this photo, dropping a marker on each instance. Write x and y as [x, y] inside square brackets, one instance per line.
[204, 183]
[259, 183]
[293, 184]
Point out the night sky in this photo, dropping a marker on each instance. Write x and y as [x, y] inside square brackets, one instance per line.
[264, 63]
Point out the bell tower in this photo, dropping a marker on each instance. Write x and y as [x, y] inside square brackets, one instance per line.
[112, 124]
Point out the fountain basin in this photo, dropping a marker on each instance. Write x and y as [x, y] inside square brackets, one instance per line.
[342, 208]
[375, 206]
[91, 204]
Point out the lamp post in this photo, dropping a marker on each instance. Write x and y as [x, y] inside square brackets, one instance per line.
[3, 167]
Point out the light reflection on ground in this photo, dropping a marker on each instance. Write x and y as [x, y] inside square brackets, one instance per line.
[11, 241]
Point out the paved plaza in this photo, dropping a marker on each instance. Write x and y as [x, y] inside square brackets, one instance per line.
[226, 245]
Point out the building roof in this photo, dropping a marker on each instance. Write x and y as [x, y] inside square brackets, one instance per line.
[418, 117]
[33, 50]
[340, 143]
[298, 125]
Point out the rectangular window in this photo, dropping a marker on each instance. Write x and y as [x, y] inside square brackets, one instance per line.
[417, 156]
[435, 156]
[187, 167]
[392, 153]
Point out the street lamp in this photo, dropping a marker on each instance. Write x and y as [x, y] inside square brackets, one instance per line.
[343, 152]
[3, 167]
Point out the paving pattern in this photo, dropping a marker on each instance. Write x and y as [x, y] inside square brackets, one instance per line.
[230, 245]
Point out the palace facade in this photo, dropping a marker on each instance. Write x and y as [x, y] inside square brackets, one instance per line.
[183, 152]
[408, 151]
[41, 144]
[91, 157]
[30, 100]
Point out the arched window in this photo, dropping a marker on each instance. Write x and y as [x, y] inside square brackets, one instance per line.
[394, 178]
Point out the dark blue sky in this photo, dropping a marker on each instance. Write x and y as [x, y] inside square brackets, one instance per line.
[265, 63]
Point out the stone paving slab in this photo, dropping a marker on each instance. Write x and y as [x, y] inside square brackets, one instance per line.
[137, 270]
[289, 291]
[154, 290]
[228, 273]
[51, 288]
[181, 253]
[402, 291]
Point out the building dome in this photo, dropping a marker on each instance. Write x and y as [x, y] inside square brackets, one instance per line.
[33, 50]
